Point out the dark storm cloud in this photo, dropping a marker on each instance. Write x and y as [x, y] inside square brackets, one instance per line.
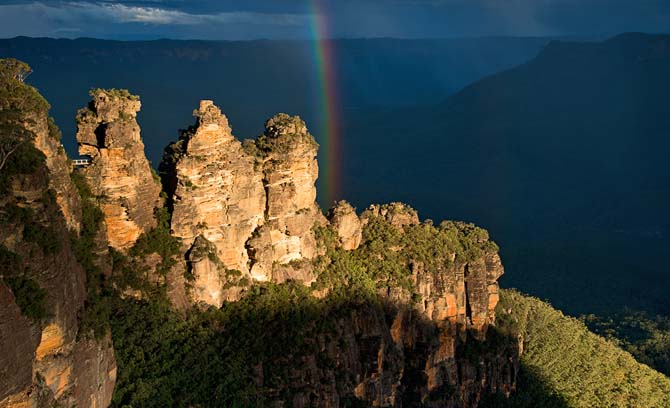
[348, 18]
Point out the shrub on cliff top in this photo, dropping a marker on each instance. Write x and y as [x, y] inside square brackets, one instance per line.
[386, 253]
[20, 104]
[114, 93]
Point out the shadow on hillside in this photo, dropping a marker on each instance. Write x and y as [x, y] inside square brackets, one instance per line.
[279, 343]
[532, 392]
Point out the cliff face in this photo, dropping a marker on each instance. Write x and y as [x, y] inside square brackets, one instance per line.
[45, 358]
[119, 173]
[254, 203]
[415, 349]
[287, 154]
[414, 299]
[67, 196]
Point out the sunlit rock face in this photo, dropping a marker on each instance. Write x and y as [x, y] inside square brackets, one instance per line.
[287, 156]
[48, 361]
[255, 202]
[346, 223]
[119, 173]
[217, 191]
[47, 141]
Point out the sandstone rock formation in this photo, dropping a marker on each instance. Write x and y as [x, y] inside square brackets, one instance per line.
[412, 352]
[346, 223]
[287, 153]
[47, 141]
[119, 173]
[398, 214]
[216, 191]
[47, 360]
[255, 203]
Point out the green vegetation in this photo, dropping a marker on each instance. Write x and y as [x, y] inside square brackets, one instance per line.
[54, 131]
[158, 241]
[645, 337]
[114, 93]
[209, 357]
[387, 253]
[95, 318]
[45, 236]
[29, 296]
[20, 106]
[576, 368]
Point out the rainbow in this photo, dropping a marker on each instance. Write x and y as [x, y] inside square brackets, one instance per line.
[329, 103]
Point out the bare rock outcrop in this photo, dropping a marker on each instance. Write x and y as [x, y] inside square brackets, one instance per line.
[119, 173]
[255, 203]
[35, 237]
[287, 154]
[216, 191]
[47, 140]
[346, 223]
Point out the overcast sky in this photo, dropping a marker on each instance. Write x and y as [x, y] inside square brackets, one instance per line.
[252, 19]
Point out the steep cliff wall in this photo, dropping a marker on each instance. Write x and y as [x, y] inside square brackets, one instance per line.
[254, 203]
[119, 173]
[48, 284]
[390, 311]
[439, 286]
[401, 320]
[44, 357]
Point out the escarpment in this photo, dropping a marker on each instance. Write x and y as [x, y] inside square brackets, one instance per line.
[119, 173]
[384, 310]
[439, 286]
[47, 356]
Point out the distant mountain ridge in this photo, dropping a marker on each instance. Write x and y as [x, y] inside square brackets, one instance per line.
[254, 80]
[563, 157]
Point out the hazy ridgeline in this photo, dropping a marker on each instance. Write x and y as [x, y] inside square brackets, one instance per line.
[561, 158]
[254, 80]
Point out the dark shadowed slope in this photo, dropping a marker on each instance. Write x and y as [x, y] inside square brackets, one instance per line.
[562, 158]
[254, 80]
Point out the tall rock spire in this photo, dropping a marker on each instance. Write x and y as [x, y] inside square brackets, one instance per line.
[119, 173]
[253, 202]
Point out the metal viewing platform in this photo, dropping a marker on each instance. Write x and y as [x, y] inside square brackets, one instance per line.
[80, 163]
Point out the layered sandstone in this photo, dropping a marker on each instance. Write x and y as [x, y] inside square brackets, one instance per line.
[254, 203]
[346, 223]
[44, 357]
[287, 153]
[47, 140]
[119, 173]
[48, 349]
[217, 192]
